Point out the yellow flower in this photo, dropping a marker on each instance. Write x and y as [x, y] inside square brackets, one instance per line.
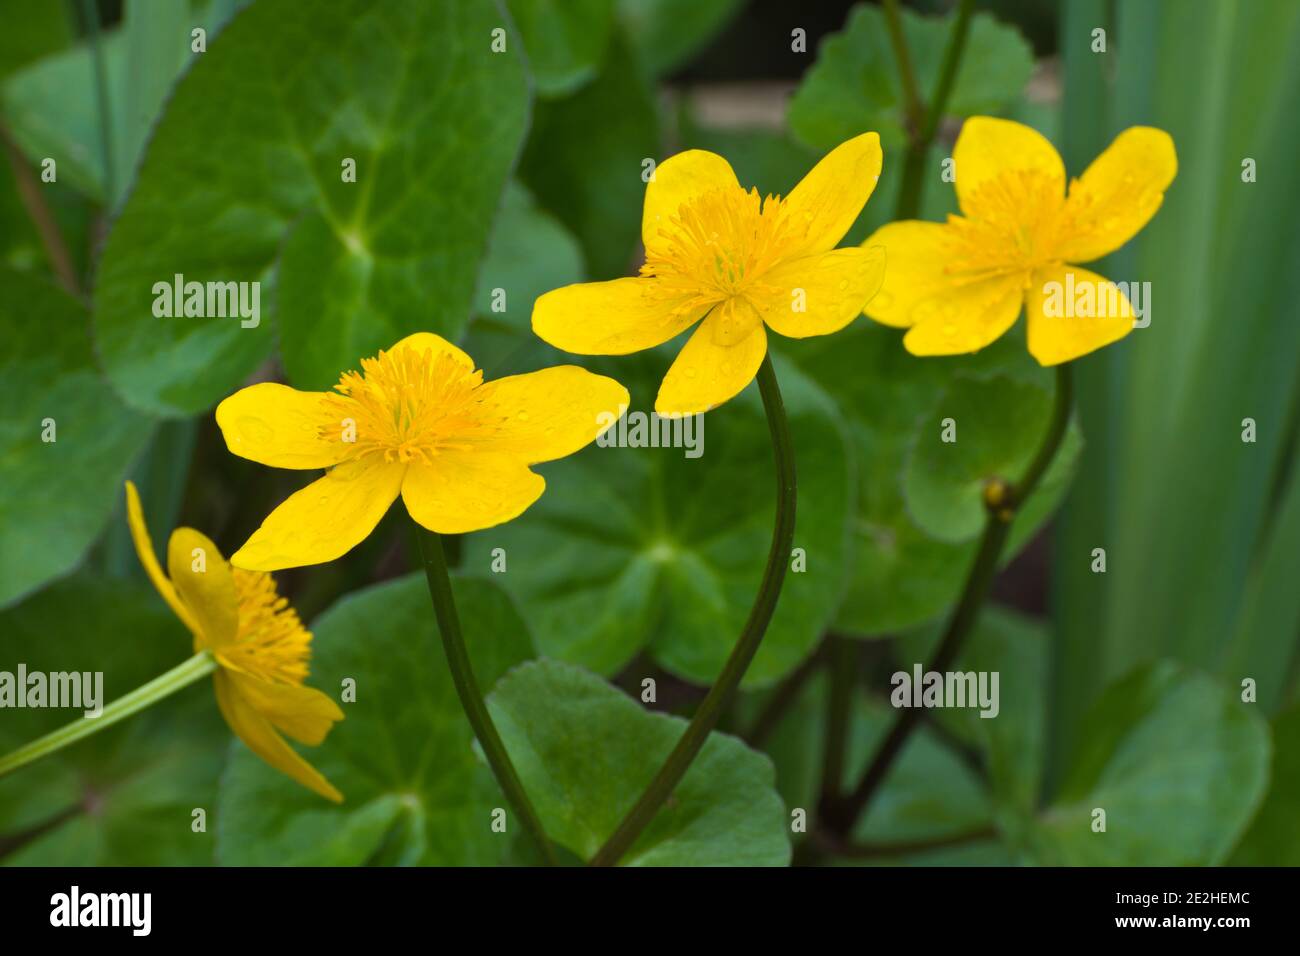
[718, 253]
[257, 640]
[959, 285]
[418, 421]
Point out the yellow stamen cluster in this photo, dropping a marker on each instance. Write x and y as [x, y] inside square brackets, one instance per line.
[271, 642]
[1017, 230]
[718, 246]
[404, 406]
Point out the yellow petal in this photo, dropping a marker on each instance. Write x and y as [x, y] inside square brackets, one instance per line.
[610, 318]
[468, 491]
[428, 342]
[967, 317]
[202, 578]
[326, 519]
[303, 713]
[823, 293]
[915, 256]
[278, 426]
[551, 413]
[144, 548]
[717, 362]
[988, 148]
[1058, 304]
[260, 737]
[1118, 194]
[827, 201]
[680, 179]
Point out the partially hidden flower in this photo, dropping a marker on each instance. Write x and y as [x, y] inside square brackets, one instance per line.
[958, 286]
[418, 420]
[259, 644]
[742, 264]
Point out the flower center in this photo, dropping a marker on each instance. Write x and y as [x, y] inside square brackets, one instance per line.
[718, 246]
[1015, 226]
[405, 405]
[271, 642]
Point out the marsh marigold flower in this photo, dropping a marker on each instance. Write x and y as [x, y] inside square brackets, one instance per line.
[957, 286]
[257, 640]
[418, 420]
[718, 253]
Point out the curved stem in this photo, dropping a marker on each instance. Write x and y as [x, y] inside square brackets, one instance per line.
[182, 675]
[471, 698]
[706, 718]
[1002, 501]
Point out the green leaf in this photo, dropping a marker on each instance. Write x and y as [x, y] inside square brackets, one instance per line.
[564, 39]
[1178, 763]
[58, 493]
[30, 33]
[668, 33]
[585, 752]
[768, 161]
[1184, 507]
[854, 86]
[998, 426]
[403, 756]
[52, 110]
[530, 254]
[1011, 741]
[1274, 836]
[902, 575]
[585, 155]
[411, 91]
[639, 547]
[1268, 625]
[929, 795]
[126, 796]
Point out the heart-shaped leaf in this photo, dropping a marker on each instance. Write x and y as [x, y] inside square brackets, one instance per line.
[1178, 764]
[903, 575]
[854, 86]
[649, 547]
[402, 756]
[66, 441]
[585, 752]
[287, 103]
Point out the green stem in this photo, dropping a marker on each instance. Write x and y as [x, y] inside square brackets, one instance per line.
[911, 93]
[948, 72]
[90, 11]
[921, 133]
[706, 718]
[471, 697]
[1002, 501]
[842, 662]
[182, 675]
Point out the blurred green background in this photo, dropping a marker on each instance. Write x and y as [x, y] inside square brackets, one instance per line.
[521, 170]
